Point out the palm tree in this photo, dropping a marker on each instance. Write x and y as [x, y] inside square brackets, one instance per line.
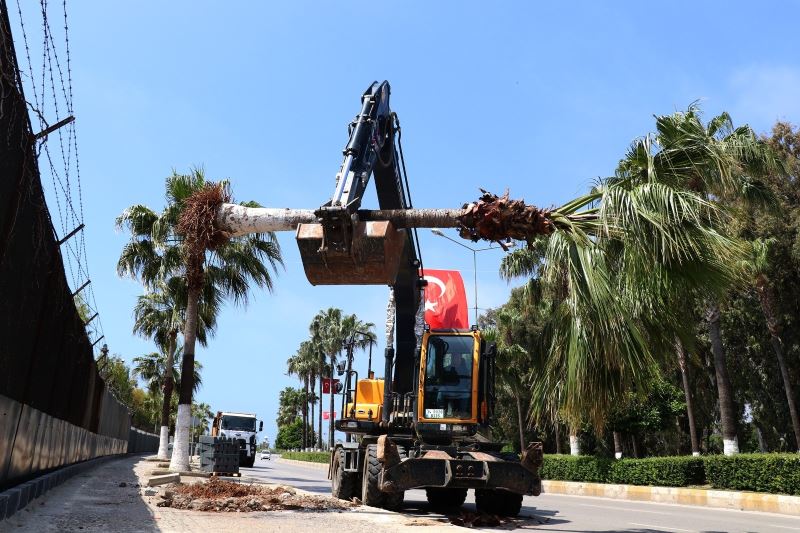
[160, 314]
[164, 245]
[758, 266]
[152, 368]
[303, 365]
[330, 329]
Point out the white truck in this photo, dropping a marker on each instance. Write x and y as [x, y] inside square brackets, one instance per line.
[242, 428]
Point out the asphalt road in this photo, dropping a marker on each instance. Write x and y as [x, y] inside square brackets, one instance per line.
[553, 512]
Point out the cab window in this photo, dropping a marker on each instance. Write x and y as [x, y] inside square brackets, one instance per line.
[448, 377]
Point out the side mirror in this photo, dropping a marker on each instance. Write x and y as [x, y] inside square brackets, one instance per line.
[261, 425]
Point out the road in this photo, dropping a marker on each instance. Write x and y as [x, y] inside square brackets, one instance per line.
[555, 512]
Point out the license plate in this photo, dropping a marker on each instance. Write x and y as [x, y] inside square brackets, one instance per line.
[434, 413]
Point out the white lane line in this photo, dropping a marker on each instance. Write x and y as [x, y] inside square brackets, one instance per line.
[661, 527]
[614, 507]
[784, 527]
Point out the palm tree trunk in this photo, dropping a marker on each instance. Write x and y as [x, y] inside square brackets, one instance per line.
[574, 442]
[724, 389]
[519, 420]
[180, 449]
[687, 392]
[305, 413]
[618, 445]
[319, 423]
[635, 443]
[313, 401]
[330, 417]
[767, 300]
[557, 435]
[169, 384]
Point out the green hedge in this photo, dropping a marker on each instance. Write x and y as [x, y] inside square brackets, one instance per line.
[776, 473]
[769, 472]
[658, 471]
[313, 457]
[576, 468]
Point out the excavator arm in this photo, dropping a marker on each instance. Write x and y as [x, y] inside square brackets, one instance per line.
[344, 250]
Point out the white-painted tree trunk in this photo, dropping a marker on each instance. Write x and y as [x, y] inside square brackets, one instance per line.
[730, 446]
[695, 454]
[163, 444]
[236, 220]
[574, 445]
[180, 454]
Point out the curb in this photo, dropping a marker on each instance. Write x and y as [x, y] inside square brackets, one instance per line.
[307, 464]
[720, 499]
[17, 497]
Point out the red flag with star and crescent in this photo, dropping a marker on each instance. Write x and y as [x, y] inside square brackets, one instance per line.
[445, 300]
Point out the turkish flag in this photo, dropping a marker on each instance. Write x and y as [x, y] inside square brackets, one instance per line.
[326, 415]
[326, 385]
[445, 300]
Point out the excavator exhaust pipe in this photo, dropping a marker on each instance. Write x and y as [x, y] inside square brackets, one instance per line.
[371, 258]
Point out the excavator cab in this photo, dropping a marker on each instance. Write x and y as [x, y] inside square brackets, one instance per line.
[453, 396]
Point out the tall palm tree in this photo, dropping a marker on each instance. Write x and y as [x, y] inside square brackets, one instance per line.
[303, 365]
[330, 329]
[160, 314]
[152, 368]
[164, 245]
[758, 266]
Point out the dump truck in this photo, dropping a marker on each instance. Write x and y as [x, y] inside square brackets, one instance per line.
[242, 428]
[425, 424]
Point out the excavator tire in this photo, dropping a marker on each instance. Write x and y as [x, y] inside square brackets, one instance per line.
[342, 483]
[499, 502]
[439, 498]
[370, 493]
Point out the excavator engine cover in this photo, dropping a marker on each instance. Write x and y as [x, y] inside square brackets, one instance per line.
[373, 258]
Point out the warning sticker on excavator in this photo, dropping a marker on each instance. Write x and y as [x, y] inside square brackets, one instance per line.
[434, 413]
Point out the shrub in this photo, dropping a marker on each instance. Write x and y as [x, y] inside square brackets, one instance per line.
[312, 457]
[658, 471]
[575, 468]
[773, 472]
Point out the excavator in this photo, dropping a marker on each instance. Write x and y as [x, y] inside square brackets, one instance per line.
[425, 424]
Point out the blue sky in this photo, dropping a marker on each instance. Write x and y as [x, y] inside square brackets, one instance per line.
[541, 98]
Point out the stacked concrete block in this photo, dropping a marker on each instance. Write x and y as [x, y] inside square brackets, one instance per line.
[218, 454]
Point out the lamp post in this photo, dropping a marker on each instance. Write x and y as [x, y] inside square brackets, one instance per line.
[474, 251]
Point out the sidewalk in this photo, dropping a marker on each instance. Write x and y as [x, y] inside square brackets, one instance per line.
[112, 497]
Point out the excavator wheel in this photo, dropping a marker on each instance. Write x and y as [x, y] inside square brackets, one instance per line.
[439, 498]
[499, 502]
[370, 493]
[342, 483]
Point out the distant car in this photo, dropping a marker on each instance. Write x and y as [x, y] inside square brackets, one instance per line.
[266, 454]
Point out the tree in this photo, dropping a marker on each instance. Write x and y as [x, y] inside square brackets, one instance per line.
[160, 314]
[330, 329]
[290, 405]
[174, 247]
[203, 412]
[290, 435]
[303, 364]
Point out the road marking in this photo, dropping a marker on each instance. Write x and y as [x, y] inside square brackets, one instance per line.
[661, 527]
[784, 527]
[623, 509]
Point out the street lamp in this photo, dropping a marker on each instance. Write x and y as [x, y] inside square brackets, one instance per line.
[474, 251]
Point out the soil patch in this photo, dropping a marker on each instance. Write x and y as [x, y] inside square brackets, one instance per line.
[225, 496]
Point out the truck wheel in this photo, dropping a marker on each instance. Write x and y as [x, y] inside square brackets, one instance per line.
[248, 463]
[445, 498]
[370, 493]
[342, 483]
[499, 502]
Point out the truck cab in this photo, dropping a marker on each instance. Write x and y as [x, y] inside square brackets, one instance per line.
[242, 428]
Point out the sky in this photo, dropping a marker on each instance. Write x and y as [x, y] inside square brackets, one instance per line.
[540, 98]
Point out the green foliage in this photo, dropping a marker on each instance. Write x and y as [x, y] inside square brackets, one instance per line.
[290, 405]
[290, 436]
[651, 410]
[658, 471]
[776, 473]
[576, 468]
[312, 457]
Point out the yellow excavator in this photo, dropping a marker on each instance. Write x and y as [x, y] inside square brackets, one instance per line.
[424, 425]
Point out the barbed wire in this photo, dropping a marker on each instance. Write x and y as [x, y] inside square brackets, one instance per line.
[50, 83]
